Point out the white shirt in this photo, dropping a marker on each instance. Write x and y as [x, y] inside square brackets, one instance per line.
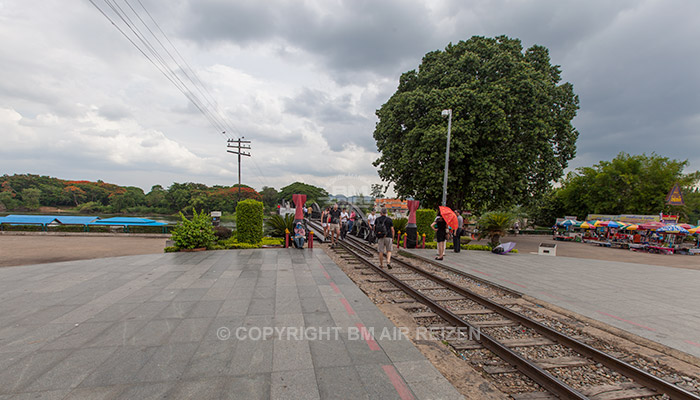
[371, 218]
[344, 217]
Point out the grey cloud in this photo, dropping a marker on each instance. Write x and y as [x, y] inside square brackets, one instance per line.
[354, 36]
[340, 126]
[114, 112]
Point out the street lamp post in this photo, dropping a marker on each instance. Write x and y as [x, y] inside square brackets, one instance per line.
[448, 114]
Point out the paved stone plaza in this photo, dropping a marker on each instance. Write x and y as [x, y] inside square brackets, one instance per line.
[659, 303]
[156, 326]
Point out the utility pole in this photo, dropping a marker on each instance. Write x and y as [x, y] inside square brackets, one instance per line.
[239, 145]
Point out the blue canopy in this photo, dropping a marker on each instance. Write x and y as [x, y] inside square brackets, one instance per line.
[127, 221]
[70, 220]
[28, 219]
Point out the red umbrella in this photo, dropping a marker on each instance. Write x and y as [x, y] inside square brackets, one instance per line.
[652, 226]
[450, 217]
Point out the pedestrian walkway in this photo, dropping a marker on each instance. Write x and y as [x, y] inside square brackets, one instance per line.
[659, 303]
[248, 324]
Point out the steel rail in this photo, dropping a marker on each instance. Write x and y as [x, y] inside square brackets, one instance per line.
[648, 380]
[528, 368]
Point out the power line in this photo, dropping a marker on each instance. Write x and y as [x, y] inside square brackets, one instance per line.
[209, 108]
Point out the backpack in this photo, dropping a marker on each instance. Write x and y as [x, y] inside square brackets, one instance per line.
[380, 227]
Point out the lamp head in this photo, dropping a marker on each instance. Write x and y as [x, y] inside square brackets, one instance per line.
[446, 113]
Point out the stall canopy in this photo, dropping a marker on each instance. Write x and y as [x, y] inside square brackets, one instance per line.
[127, 221]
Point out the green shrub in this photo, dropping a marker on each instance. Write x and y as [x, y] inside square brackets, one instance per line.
[171, 249]
[400, 225]
[194, 233]
[277, 224]
[222, 232]
[425, 217]
[494, 224]
[272, 241]
[66, 228]
[249, 221]
[23, 228]
[148, 229]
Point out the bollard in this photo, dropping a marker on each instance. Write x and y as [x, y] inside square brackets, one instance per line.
[424, 240]
[405, 236]
[398, 238]
[286, 238]
[311, 239]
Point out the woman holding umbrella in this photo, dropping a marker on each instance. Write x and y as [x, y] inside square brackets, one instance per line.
[440, 228]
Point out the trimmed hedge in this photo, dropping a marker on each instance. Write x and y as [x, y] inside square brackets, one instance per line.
[249, 221]
[425, 217]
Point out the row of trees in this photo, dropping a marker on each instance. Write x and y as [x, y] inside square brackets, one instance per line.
[627, 184]
[30, 192]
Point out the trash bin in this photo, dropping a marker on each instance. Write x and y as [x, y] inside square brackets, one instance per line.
[547, 249]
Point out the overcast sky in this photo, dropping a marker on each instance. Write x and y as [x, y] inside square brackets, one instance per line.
[302, 80]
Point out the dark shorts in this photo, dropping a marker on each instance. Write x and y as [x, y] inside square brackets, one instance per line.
[440, 236]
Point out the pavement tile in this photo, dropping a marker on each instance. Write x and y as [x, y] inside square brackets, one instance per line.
[46, 395]
[203, 309]
[72, 370]
[212, 358]
[250, 357]
[290, 355]
[96, 393]
[376, 383]
[25, 371]
[176, 309]
[201, 389]
[168, 363]
[191, 330]
[340, 383]
[147, 310]
[234, 307]
[261, 307]
[329, 353]
[120, 367]
[115, 312]
[117, 334]
[248, 387]
[154, 333]
[297, 384]
[78, 336]
[147, 391]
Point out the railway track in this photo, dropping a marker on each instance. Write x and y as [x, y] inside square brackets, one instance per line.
[513, 337]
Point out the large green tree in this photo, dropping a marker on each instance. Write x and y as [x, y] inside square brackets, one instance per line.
[511, 126]
[313, 193]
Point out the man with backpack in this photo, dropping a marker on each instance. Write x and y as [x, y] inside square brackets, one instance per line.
[384, 231]
[334, 224]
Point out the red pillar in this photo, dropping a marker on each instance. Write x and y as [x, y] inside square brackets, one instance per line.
[286, 238]
[311, 239]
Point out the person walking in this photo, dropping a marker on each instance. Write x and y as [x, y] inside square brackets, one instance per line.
[351, 220]
[371, 218]
[343, 223]
[384, 230]
[456, 238]
[516, 228]
[324, 222]
[440, 228]
[335, 224]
